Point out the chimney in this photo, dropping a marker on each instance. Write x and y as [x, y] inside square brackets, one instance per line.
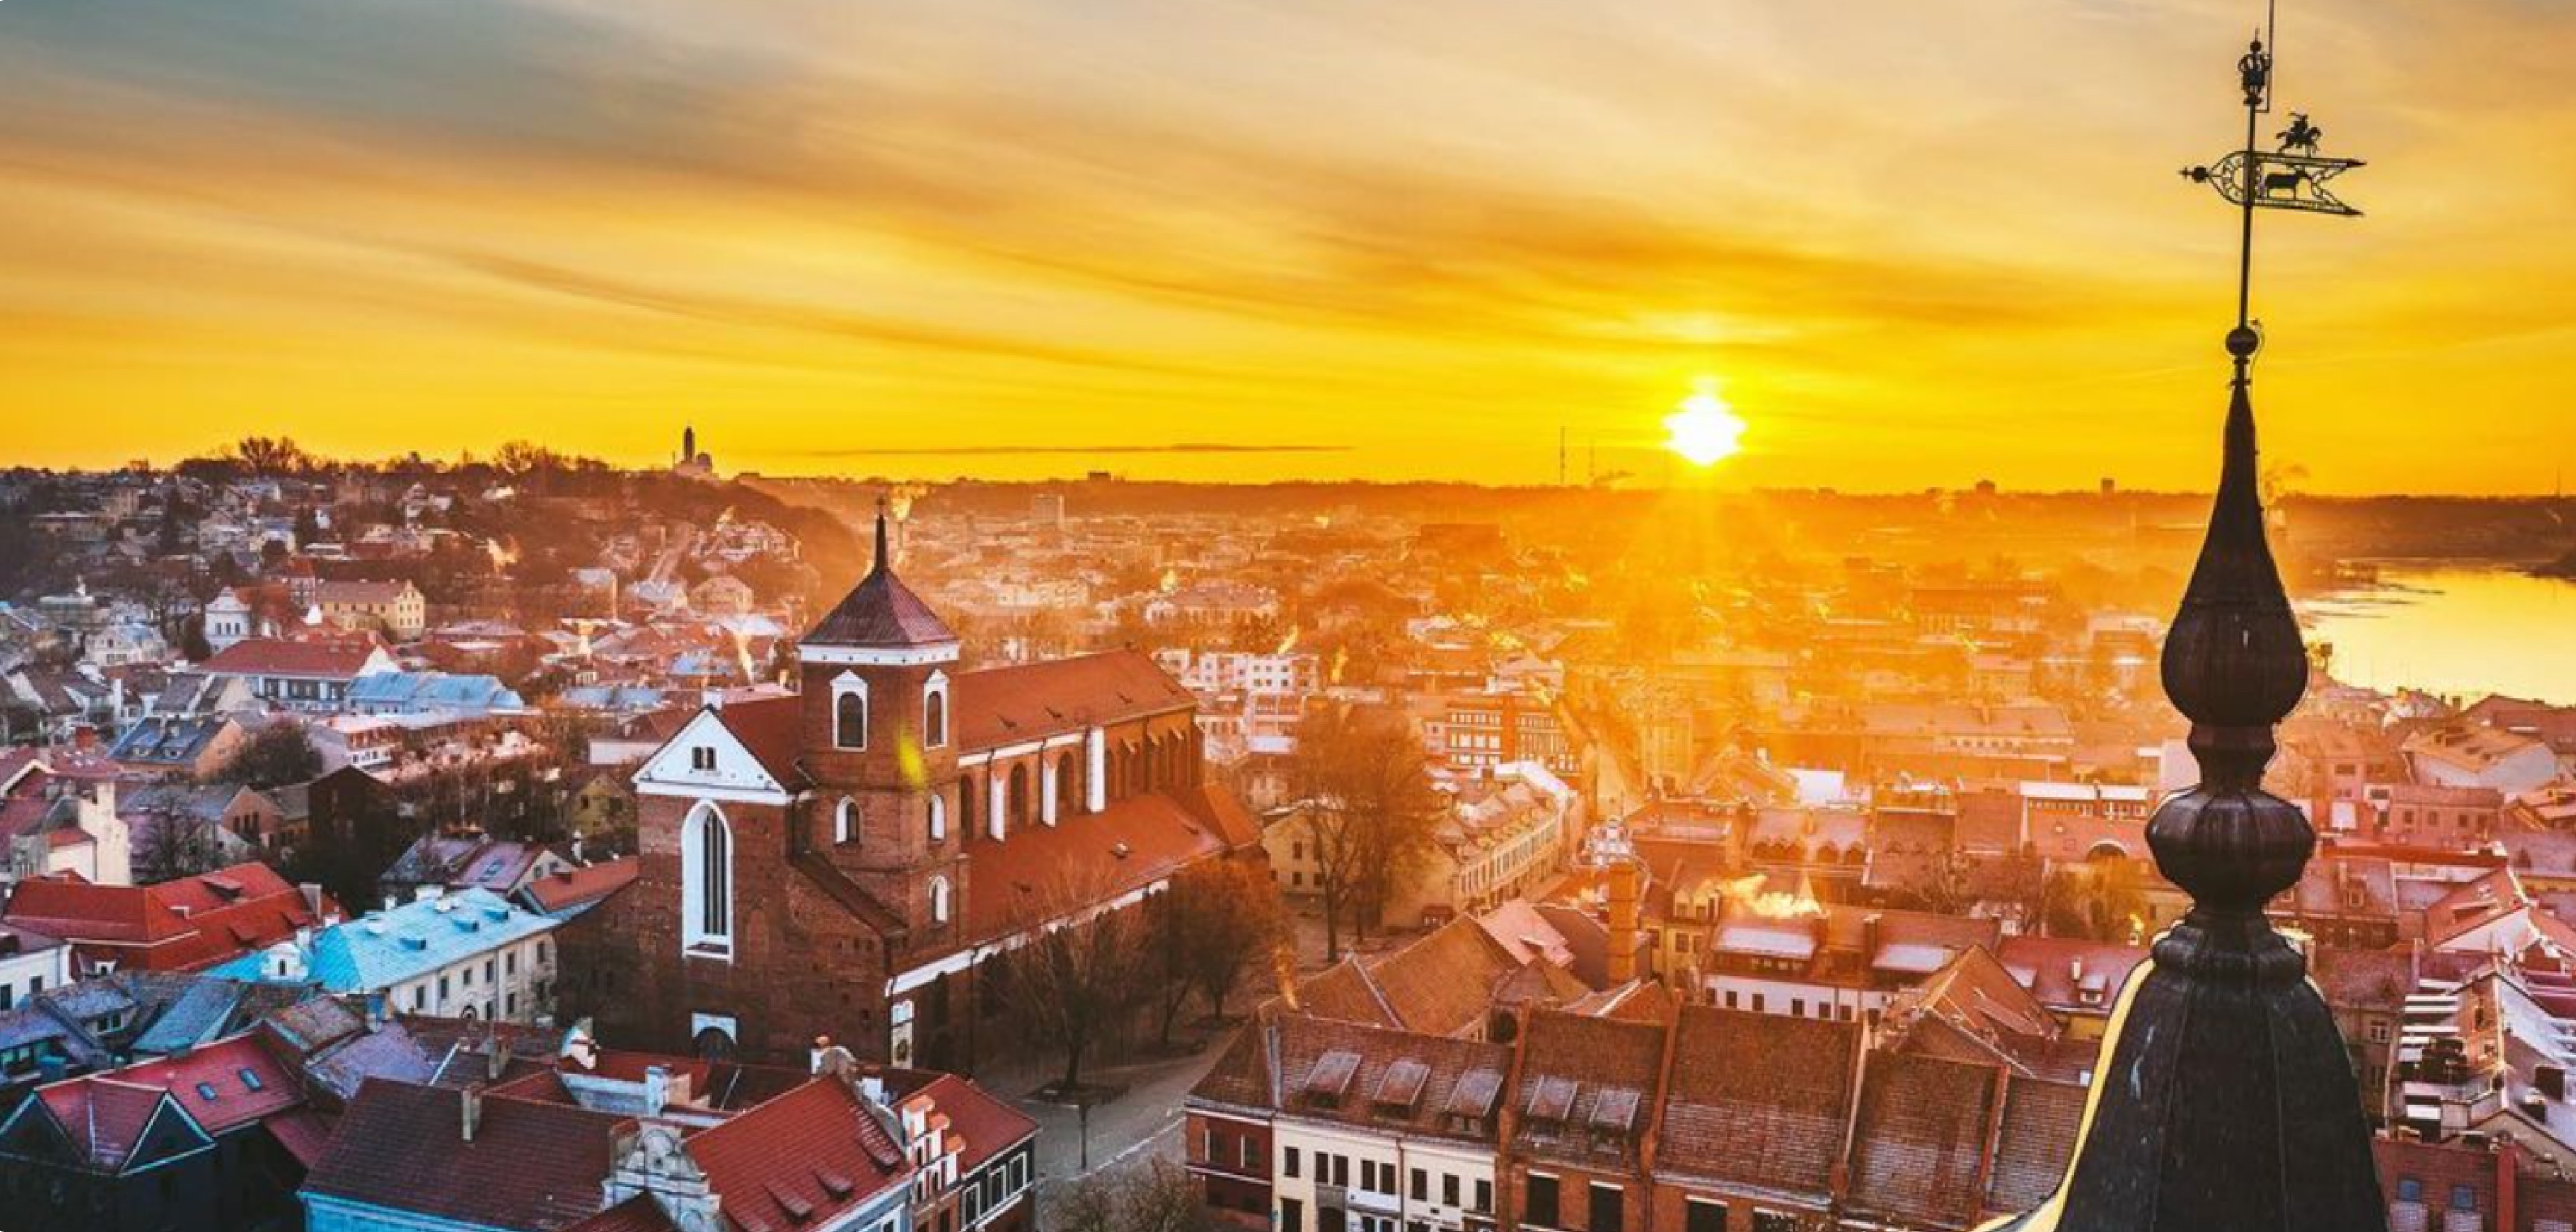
[496, 1054]
[1870, 927]
[1623, 922]
[657, 1090]
[469, 1110]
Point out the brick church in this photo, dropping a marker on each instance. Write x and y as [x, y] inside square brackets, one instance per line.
[850, 860]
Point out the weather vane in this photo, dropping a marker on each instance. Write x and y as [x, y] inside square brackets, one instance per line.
[2292, 176]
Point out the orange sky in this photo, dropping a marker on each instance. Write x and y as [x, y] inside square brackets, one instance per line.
[1917, 243]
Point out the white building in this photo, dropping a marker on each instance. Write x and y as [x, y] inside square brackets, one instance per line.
[466, 954]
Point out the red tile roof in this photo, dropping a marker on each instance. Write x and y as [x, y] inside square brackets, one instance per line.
[999, 706]
[304, 1132]
[2034, 1142]
[221, 1087]
[576, 886]
[1758, 1099]
[265, 656]
[531, 1166]
[1129, 845]
[986, 1125]
[772, 729]
[1587, 1086]
[247, 1080]
[181, 925]
[1918, 1148]
[796, 1150]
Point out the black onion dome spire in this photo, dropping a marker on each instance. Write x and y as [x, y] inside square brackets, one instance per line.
[880, 613]
[2225, 1101]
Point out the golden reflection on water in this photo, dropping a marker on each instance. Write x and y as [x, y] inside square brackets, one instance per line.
[2453, 629]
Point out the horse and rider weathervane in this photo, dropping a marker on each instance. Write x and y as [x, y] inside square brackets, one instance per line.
[2292, 176]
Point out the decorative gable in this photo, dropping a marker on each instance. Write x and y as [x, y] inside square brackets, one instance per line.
[707, 761]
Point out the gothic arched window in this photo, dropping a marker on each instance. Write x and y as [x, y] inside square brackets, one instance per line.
[938, 817]
[706, 882]
[845, 821]
[934, 713]
[850, 719]
[1019, 790]
[939, 904]
[1068, 795]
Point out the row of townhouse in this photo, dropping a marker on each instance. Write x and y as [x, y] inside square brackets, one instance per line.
[1711, 1121]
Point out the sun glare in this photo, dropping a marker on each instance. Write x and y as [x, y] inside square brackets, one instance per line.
[1705, 430]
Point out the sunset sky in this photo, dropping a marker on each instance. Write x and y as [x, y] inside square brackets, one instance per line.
[1914, 243]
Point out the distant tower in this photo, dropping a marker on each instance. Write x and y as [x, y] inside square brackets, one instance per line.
[689, 443]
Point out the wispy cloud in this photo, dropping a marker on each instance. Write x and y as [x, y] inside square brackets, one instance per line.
[1433, 233]
[1006, 451]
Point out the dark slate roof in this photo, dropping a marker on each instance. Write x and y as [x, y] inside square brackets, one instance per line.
[880, 612]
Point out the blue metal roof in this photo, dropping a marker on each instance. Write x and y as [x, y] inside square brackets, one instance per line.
[386, 948]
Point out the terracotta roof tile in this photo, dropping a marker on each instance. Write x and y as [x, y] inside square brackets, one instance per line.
[999, 706]
[987, 1125]
[1133, 843]
[773, 729]
[770, 1158]
[579, 887]
[2034, 1143]
[531, 1166]
[1919, 1145]
[338, 659]
[1758, 1099]
[1596, 1065]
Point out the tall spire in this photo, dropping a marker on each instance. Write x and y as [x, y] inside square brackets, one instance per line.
[885, 560]
[2226, 1101]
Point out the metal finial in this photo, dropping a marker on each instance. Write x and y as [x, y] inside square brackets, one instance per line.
[885, 560]
[2228, 1103]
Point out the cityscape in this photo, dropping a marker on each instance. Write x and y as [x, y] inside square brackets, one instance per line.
[1103, 771]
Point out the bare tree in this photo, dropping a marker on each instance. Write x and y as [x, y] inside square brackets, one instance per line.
[1074, 982]
[171, 846]
[1369, 809]
[1159, 1197]
[276, 755]
[1233, 918]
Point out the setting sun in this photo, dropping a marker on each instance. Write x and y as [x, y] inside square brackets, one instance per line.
[1705, 430]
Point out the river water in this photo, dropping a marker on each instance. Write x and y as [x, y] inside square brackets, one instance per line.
[2453, 628]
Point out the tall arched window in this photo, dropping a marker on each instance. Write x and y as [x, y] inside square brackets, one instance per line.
[1068, 795]
[706, 882]
[939, 904]
[850, 720]
[934, 712]
[1019, 795]
[966, 802]
[938, 818]
[845, 821]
